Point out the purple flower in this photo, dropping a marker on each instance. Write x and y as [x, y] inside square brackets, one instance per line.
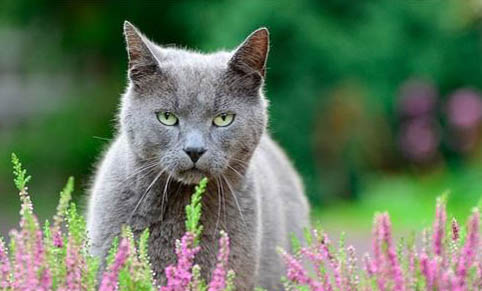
[377, 265]
[179, 276]
[57, 238]
[439, 227]
[218, 281]
[73, 262]
[45, 281]
[455, 230]
[4, 267]
[427, 269]
[109, 280]
[297, 273]
[469, 251]
[395, 268]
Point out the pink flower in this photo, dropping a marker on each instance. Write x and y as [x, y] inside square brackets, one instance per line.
[439, 228]
[428, 270]
[109, 280]
[297, 274]
[218, 280]
[57, 238]
[455, 230]
[179, 276]
[317, 260]
[469, 250]
[73, 262]
[4, 267]
[395, 267]
[324, 249]
[45, 281]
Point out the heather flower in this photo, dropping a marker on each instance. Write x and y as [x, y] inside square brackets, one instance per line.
[427, 269]
[218, 282]
[109, 280]
[455, 230]
[369, 265]
[53, 261]
[469, 251]
[57, 239]
[353, 279]
[45, 281]
[297, 273]
[439, 227]
[395, 267]
[179, 276]
[4, 266]
[73, 262]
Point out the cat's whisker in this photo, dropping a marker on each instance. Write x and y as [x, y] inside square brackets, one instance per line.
[145, 194]
[140, 170]
[219, 206]
[223, 198]
[235, 171]
[242, 163]
[164, 195]
[235, 200]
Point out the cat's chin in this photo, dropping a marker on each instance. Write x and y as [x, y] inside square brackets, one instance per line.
[190, 177]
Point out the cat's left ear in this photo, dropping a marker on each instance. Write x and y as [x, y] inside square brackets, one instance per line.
[142, 63]
[251, 55]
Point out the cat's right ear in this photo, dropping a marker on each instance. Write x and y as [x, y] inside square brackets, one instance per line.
[143, 64]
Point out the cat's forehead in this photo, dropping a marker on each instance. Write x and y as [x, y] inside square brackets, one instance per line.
[196, 77]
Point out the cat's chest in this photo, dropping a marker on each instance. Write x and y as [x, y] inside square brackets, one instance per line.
[165, 220]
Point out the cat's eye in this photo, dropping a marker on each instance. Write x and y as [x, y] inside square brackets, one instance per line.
[167, 118]
[223, 119]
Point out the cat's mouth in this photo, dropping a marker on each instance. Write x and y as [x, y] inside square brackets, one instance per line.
[191, 176]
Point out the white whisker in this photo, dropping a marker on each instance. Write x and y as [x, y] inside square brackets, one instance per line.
[144, 195]
[235, 200]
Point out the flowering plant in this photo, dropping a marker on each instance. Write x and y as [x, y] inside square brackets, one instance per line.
[56, 256]
[446, 259]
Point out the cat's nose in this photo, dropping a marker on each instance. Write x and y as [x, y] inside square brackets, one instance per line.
[195, 153]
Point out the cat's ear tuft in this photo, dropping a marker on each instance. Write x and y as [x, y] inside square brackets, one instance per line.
[142, 63]
[252, 54]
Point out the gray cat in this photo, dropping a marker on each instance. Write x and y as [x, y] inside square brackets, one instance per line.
[186, 115]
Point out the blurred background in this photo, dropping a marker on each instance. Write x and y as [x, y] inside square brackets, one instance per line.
[378, 103]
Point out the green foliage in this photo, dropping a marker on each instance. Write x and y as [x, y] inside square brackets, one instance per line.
[193, 210]
[65, 197]
[295, 243]
[21, 178]
[198, 283]
[230, 281]
[370, 46]
[76, 225]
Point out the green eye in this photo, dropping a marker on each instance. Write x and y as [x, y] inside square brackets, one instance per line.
[223, 119]
[167, 118]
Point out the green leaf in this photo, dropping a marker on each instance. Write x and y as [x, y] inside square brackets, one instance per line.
[21, 178]
[193, 210]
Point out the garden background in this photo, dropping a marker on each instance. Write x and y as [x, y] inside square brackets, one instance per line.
[377, 102]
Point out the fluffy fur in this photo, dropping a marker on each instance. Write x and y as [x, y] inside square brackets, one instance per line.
[146, 177]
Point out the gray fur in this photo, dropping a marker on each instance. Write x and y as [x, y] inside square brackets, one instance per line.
[254, 193]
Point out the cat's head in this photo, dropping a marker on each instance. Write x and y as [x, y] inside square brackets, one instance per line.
[195, 114]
